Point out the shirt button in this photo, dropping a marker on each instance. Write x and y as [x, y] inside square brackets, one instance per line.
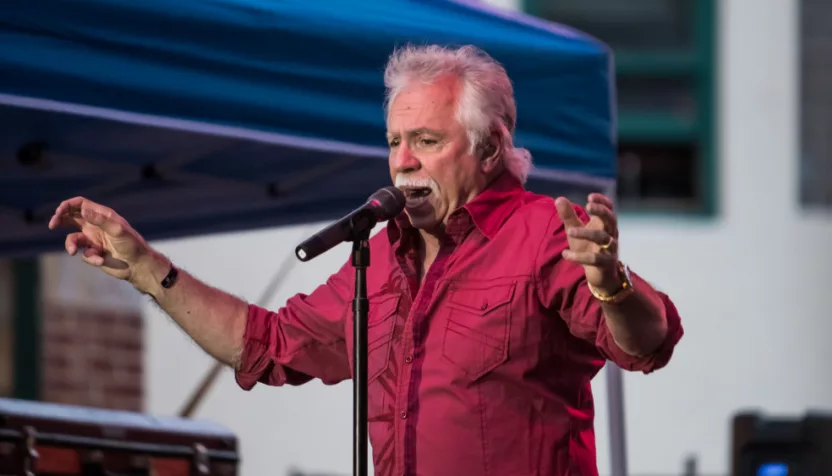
[408, 359]
[484, 305]
[403, 415]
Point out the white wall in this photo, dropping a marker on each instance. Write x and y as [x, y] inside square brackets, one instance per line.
[306, 427]
[751, 286]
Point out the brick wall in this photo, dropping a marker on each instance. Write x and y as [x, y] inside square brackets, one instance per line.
[92, 337]
[92, 357]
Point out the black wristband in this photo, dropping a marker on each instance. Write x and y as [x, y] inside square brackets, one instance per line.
[170, 279]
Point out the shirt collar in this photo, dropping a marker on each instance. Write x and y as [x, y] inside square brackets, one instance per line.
[488, 211]
[494, 205]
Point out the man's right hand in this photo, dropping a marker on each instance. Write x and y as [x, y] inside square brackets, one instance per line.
[108, 242]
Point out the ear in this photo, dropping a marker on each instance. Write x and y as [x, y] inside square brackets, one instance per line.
[490, 152]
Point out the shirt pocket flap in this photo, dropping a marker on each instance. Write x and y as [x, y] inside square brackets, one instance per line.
[382, 307]
[481, 300]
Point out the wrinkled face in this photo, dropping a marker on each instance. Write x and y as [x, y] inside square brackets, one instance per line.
[429, 157]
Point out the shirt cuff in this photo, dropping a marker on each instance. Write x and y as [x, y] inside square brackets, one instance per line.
[648, 363]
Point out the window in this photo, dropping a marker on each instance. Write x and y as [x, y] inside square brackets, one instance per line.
[815, 103]
[664, 52]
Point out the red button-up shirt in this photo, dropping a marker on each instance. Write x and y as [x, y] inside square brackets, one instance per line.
[482, 369]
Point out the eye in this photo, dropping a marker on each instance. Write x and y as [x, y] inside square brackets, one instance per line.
[393, 142]
[427, 142]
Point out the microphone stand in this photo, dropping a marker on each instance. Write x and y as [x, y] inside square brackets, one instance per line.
[360, 237]
[356, 227]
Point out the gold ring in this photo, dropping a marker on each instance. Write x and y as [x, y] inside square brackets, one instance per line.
[608, 244]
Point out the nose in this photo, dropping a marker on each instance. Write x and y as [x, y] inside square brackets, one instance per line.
[403, 161]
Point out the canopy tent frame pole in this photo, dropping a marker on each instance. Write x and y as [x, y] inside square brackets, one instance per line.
[342, 150]
[615, 405]
[617, 421]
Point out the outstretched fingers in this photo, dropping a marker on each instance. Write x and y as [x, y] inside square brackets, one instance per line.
[93, 256]
[104, 218]
[78, 240]
[76, 211]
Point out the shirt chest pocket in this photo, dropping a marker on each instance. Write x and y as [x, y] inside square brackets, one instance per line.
[380, 324]
[476, 332]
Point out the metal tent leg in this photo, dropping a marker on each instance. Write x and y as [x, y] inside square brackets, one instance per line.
[615, 404]
[618, 433]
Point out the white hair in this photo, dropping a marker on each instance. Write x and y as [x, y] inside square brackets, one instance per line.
[487, 100]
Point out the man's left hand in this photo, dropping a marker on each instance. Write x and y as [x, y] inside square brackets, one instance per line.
[593, 244]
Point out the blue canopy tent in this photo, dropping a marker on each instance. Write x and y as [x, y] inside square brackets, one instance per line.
[201, 116]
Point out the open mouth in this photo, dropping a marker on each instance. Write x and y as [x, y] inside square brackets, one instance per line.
[416, 193]
[416, 196]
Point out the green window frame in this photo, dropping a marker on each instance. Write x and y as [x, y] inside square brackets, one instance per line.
[696, 64]
[26, 315]
[815, 62]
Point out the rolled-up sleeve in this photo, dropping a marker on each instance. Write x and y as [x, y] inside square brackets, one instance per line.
[302, 340]
[589, 322]
[562, 288]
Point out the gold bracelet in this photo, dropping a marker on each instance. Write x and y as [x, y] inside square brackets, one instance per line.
[625, 290]
[616, 298]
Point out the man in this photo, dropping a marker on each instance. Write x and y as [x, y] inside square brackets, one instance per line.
[491, 308]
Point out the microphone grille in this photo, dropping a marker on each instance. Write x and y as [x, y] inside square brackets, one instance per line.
[390, 202]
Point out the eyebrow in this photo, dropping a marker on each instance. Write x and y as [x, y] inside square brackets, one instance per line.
[413, 132]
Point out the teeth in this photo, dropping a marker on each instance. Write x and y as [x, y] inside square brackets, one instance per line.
[416, 192]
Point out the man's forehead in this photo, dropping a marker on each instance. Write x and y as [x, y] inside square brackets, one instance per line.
[439, 92]
[422, 108]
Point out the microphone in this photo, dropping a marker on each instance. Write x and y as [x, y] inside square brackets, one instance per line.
[383, 205]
